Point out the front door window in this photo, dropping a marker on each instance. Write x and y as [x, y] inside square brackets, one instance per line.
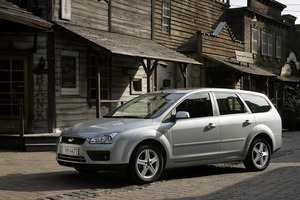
[13, 86]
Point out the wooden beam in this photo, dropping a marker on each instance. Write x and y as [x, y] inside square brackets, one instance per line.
[183, 69]
[149, 70]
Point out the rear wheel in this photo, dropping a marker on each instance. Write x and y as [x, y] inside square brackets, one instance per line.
[146, 164]
[259, 155]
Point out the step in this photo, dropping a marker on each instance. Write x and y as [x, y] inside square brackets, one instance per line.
[40, 147]
[40, 142]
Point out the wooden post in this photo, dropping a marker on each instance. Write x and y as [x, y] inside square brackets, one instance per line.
[98, 100]
[149, 70]
[183, 69]
[21, 116]
[51, 82]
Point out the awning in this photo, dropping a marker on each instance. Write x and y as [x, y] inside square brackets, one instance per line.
[290, 79]
[232, 63]
[12, 13]
[128, 45]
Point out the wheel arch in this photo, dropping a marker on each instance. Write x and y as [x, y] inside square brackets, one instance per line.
[263, 134]
[158, 144]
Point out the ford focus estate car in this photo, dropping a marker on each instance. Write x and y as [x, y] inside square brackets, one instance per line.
[175, 128]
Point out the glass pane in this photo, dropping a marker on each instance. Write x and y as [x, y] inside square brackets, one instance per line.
[5, 87]
[104, 72]
[17, 87]
[93, 94]
[4, 96]
[104, 84]
[15, 110]
[4, 76]
[5, 64]
[18, 76]
[18, 64]
[4, 110]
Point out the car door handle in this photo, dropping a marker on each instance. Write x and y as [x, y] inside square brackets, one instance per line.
[211, 126]
[248, 122]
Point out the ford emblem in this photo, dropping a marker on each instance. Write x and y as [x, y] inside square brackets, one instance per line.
[70, 140]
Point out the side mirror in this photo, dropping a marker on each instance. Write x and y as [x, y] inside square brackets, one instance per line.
[182, 115]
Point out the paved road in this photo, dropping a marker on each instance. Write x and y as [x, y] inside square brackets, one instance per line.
[38, 176]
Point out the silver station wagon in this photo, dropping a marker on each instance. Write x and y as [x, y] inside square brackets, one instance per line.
[176, 128]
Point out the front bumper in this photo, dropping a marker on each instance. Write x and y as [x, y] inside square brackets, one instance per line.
[90, 156]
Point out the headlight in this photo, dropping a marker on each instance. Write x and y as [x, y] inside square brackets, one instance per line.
[104, 139]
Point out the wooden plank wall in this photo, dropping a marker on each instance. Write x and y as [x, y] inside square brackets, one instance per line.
[187, 17]
[122, 69]
[131, 17]
[86, 13]
[222, 44]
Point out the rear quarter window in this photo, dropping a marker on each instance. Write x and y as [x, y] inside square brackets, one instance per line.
[257, 104]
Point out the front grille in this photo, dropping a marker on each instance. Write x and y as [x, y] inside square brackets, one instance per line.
[73, 140]
[80, 159]
[99, 155]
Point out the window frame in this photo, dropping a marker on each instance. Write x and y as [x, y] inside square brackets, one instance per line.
[235, 100]
[166, 17]
[192, 100]
[266, 44]
[254, 32]
[278, 47]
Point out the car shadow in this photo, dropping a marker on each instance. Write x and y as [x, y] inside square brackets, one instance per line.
[65, 180]
[72, 180]
[201, 171]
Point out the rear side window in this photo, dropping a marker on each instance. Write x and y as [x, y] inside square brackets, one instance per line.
[229, 103]
[256, 104]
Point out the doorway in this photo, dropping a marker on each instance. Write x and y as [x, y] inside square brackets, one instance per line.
[13, 88]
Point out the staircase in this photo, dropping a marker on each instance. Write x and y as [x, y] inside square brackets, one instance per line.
[40, 142]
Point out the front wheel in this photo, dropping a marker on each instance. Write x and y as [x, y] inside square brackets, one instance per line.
[146, 164]
[259, 155]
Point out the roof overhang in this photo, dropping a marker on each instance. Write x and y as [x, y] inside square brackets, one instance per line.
[12, 13]
[128, 45]
[234, 64]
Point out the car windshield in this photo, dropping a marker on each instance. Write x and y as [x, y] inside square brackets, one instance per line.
[146, 106]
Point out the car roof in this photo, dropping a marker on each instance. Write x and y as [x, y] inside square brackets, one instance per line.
[194, 90]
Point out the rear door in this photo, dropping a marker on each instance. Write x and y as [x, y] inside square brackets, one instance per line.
[236, 122]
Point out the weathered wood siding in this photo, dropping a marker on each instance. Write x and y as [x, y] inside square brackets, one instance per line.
[273, 28]
[131, 17]
[187, 17]
[123, 68]
[267, 7]
[71, 109]
[86, 13]
[222, 44]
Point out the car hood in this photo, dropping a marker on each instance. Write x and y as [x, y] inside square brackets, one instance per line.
[93, 128]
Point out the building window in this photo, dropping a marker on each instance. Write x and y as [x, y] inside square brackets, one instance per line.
[93, 81]
[69, 73]
[278, 47]
[254, 40]
[266, 44]
[136, 85]
[166, 16]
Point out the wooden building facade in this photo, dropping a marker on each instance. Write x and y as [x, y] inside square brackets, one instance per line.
[86, 57]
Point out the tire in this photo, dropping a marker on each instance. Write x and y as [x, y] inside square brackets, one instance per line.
[258, 156]
[146, 164]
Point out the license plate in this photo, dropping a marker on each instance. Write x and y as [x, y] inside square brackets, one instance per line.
[72, 151]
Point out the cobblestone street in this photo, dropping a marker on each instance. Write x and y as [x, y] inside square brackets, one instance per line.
[38, 176]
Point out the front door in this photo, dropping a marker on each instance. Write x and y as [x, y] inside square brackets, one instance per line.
[13, 87]
[196, 138]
